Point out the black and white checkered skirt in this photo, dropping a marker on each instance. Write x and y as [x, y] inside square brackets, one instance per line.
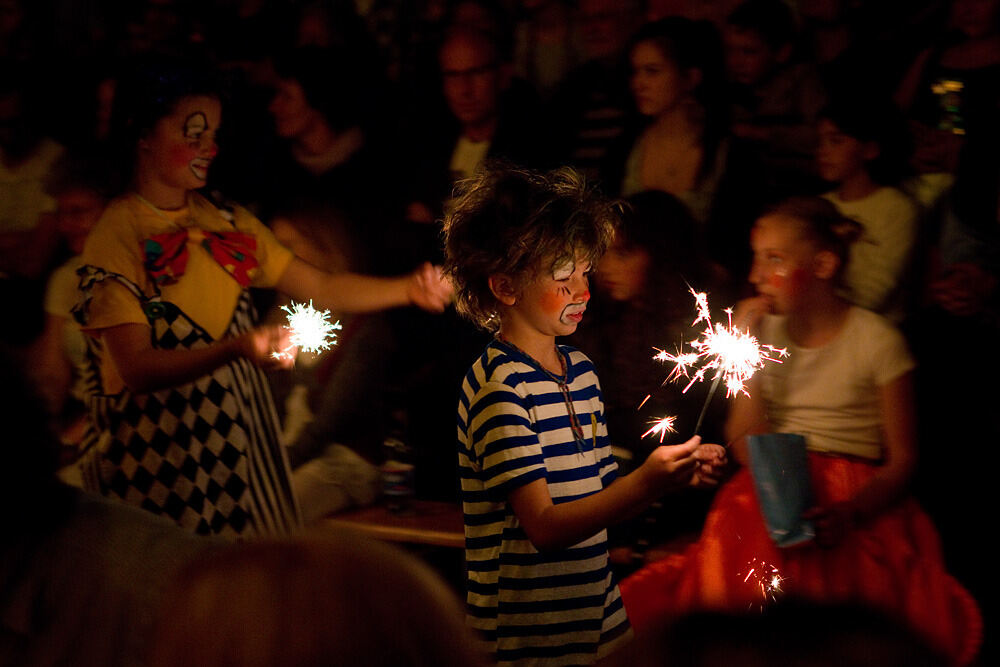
[206, 454]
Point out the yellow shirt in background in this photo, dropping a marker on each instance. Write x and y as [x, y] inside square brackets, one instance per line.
[206, 292]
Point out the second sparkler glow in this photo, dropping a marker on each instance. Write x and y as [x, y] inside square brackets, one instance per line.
[734, 355]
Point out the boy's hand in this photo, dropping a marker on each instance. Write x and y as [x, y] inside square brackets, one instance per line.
[671, 466]
[712, 462]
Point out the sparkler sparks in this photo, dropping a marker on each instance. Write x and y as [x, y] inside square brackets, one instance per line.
[661, 426]
[734, 355]
[311, 329]
[766, 578]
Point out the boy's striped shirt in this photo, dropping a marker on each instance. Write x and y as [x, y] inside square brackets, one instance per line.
[514, 427]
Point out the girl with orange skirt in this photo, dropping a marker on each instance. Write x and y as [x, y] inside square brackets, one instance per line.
[846, 388]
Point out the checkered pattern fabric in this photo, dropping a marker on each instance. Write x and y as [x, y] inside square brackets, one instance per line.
[208, 453]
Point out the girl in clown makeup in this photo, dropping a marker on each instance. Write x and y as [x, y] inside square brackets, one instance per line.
[846, 388]
[187, 427]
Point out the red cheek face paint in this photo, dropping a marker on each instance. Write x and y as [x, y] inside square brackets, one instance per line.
[181, 156]
[787, 280]
[553, 302]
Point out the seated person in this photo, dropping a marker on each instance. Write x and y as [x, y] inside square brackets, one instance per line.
[78, 186]
[333, 600]
[82, 576]
[682, 146]
[775, 97]
[863, 152]
[486, 118]
[335, 152]
[846, 389]
[589, 111]
[337, 412]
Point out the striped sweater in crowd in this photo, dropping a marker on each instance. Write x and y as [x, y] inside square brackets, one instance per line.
[518, 423]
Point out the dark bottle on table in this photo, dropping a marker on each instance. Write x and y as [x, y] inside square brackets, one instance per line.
[398, 471]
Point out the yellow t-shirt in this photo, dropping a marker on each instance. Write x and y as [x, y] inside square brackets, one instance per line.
[206, 292]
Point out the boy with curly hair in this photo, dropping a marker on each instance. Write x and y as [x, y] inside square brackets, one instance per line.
[538, 478]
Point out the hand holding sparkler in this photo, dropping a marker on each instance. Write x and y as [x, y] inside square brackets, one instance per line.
[670, 466]
[710, 459]
[262, 345]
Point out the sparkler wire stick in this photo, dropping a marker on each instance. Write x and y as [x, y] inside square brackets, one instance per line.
[708, 399]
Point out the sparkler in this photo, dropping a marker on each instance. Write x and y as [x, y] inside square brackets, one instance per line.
[312, 330]
[766, 578]
[661, 426]
[733, 354]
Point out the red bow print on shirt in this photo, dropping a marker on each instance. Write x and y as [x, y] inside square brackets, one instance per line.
[165, 256]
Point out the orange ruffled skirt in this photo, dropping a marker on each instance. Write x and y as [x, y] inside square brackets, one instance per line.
[893, 563]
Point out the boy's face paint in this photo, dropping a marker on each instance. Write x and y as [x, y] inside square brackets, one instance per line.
[180, 149]
[554, 304]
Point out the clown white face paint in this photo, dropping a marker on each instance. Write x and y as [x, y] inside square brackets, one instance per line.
[567, 288]
[178, 152]
[195, 126]
[551, 304]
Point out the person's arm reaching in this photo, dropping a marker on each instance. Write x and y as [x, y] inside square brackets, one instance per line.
[354, 293]
[555, 526]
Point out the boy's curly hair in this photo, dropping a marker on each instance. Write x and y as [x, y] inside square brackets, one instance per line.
[520, 223]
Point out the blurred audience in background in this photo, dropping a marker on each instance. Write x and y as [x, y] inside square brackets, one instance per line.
[346, 126]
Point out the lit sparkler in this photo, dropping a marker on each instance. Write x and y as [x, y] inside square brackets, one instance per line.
[733, 354]
[661, 426]
[764, 577]
[311, 329]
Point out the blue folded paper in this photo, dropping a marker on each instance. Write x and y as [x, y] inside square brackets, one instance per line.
[780, 471]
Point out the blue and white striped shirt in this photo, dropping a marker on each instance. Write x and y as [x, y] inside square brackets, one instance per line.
[516, 425]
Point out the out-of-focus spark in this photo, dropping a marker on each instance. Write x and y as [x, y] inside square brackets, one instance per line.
[661, 426]
[766, 578]
[311, 329]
